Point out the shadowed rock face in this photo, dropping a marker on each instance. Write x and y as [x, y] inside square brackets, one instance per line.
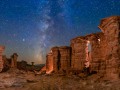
[100, 50]
[65, 58]
[14, 60]
[9, 62]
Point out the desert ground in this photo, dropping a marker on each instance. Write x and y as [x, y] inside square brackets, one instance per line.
[21, 80]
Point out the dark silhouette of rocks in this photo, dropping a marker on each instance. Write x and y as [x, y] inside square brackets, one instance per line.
[9, 62]
[14, 60]
[22, 65]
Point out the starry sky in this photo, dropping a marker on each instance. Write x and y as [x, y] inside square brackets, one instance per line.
[31, 27]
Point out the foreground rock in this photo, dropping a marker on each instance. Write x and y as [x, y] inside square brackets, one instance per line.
[1, 60]
[15, 78]
[58, 82]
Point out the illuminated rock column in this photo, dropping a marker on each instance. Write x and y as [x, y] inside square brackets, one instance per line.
[1, 60]
[49, 63]
[56, 59]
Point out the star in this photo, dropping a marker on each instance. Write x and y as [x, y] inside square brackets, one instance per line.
[23, 40]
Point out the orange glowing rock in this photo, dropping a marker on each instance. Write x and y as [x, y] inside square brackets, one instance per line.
[2, 48]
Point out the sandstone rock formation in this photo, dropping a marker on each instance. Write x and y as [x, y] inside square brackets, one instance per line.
[78, 53]
[111, 29]
[14, 60]
[59, 59]
[65, 58]
[56, 58]
[99, 50]
[49, 63]
[22, 65]
[8, 63]
[1, 60]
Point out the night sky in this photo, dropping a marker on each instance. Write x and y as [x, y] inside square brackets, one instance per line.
[31, 27]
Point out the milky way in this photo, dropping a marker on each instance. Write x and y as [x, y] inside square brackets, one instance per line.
[31, 27]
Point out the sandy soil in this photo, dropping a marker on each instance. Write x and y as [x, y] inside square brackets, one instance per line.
[19, 80]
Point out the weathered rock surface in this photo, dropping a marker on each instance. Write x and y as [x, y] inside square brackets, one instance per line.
[78, 53]
[1, 60]
[56, 58]
[111, 29]
[49, 63]
[65, 58]
[101, 54]
[59, 59]
[14, 60]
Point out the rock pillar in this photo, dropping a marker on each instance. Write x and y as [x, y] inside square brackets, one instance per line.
[49, 63]
[78, 53]
[65, 57]
[111, 29]
[1, 60]
[56, 59]
[14, 60]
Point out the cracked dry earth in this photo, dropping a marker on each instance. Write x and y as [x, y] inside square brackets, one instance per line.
[20, 80]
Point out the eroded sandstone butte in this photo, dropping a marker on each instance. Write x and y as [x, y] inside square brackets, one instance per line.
[100, 51]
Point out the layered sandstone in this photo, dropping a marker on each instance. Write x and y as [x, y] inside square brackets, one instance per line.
[14, 60]
[97, 61]
[65, 58]
[49, 63]
[78, 53]
[56, 59]
[111, 29]
[98, 51]
[1, 60]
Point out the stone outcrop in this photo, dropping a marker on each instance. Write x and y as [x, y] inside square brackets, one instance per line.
[91, 52]
[7, 63]
[49, 63]
[111, 29]
[1, 60]
[97, 62]
[98, 51]
[78, 53]
[14, 60]
[22, 65]
[59, 59]
[65, 58]
[56, 58]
